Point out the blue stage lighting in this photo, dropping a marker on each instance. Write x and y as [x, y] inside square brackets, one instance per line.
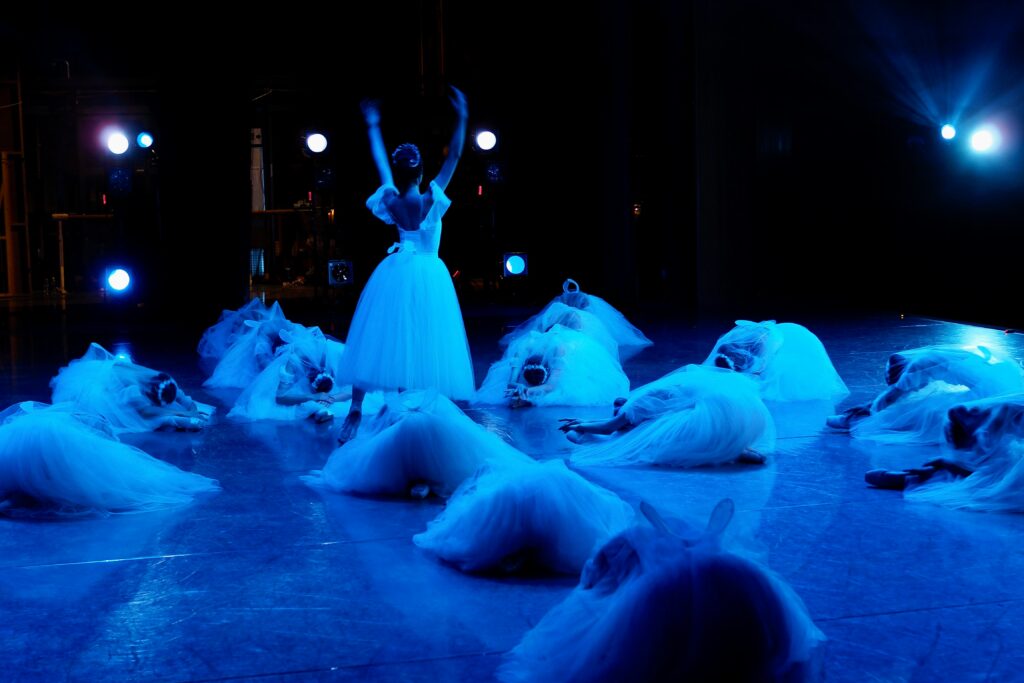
[486, 140]
[948, 132]
[117, 142]
[144, 140]
[985, 139]
[316, 142]
[118, 279]
[515, 264]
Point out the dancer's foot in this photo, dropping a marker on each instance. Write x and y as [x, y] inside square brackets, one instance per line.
[751, 457]
[420, 491]
[840, 422]
[350, 427]
[886, 479]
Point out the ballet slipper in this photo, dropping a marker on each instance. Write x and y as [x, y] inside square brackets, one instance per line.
[751, 457]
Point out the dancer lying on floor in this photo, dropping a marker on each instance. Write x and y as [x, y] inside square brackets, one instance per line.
[58, 459]
[696, 415]
[520, 515]
[923, 384]
[131, 398]
[654, 604]
[560, 366]
[985, 469]
[298, 383]
[595, 317]
[788, 361]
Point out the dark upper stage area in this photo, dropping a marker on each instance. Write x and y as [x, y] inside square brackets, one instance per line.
[747, 159]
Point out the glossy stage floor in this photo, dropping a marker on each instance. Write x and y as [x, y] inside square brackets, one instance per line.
[272, 580]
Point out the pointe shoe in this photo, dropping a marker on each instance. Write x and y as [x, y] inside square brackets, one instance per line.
[752, 457]
[885, 479]
[839, 422]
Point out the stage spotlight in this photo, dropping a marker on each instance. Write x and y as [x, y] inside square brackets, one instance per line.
[985, 139]
[117, 142]
[144, 140]
[316, 142]
[486, 140]
[118, 280]
[516, 264]
[948, 132]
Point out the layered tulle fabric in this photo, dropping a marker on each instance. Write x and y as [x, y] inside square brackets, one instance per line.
[531, 514]
[989, 437]
[306, 355]
[787, 360]
[927, 382]
[416, 439]
[231, 325]
[116, 389]
[558, 313]
[581, 372]
[697, 415]
[596, 317]
[70, 462]
[252, 351]
[651, 606]
[407, 331]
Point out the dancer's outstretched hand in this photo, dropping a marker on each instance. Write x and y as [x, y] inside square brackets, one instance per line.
[371, 112]
[568, 423]
[458, 100]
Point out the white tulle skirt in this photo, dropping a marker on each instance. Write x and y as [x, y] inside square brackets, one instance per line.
[649, 607]
[996, 486]
[101, 384]
[535, 514]
[916, 418]
[407, 331]
[230, 326]
[582, 372]
[694, 416]
[419, 438]
[71, 463]
[308, 349]
[252, 351]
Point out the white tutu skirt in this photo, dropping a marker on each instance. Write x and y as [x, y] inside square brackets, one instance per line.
[250, 352]
[651, 608]
[407, 331]
[68, 461]
[420, 438]
[917, 418]
[230, 326]
[694, 416]
[582, 372]
[558, 313]
[537, 514]
[996, 486]
[307, 351]
[101, 384]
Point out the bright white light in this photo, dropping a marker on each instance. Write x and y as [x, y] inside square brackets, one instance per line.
[515, 265]
[316, 143]
[984, 139]
[117, 142]
[144, 140]
[486, 140]
[119, 280]
[948, 132]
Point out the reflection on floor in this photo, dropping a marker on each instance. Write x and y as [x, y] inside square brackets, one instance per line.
[271, 578]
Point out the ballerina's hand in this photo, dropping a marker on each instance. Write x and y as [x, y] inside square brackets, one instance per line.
[568, 423]
[458, 100]
[370, 112]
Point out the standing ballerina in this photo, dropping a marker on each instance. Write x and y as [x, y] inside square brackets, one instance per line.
[407, 331]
